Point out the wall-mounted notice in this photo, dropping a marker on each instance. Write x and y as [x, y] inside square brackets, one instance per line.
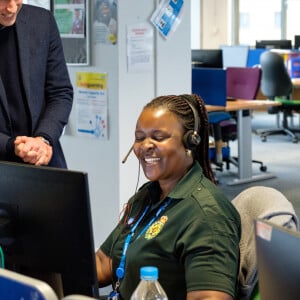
[167, 16]
[105, 21]
[139, 48]
[91, 104]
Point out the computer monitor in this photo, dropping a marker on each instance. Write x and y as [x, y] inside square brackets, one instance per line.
[273, 44]
[207, 58]
[278, 261]
[46, 227]
[297, 42]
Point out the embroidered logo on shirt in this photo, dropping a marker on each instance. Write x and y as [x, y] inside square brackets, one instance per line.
[155, 228]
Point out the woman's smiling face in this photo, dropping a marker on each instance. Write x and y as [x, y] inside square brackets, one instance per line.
[159, 145]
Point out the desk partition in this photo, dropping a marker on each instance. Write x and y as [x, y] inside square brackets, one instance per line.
[253, 59]
[235, 56]
[210, 85]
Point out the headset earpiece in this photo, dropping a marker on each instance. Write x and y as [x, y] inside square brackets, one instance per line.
[191, 138]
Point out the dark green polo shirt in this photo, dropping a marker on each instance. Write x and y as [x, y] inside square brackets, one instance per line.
[194, 242]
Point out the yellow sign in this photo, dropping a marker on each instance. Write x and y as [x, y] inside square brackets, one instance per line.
[93, 81]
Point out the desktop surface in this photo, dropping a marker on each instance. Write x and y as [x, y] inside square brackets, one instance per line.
[278, 261]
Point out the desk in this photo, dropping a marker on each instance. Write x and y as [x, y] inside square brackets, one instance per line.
[244, 139]
[296, 82]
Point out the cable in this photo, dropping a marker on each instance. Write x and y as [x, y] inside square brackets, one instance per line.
[2, 265]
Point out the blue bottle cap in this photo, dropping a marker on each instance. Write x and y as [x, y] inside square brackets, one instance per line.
[149, 273]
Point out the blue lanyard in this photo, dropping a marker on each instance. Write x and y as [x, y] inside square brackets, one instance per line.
[120, 271]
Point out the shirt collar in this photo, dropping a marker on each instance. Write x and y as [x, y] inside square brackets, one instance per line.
[183, 188]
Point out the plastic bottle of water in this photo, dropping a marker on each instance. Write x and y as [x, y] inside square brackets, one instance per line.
[149, 288]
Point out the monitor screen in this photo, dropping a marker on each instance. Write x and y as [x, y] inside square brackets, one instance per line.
[46, 227]
[207, 58]
[273, 44]
[297, 42]
[278, 261]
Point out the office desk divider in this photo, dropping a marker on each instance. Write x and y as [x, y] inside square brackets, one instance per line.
[210, 84]
[235, 55]
[253, 59]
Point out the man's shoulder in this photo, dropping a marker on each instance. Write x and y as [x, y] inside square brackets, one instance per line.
[31, 10]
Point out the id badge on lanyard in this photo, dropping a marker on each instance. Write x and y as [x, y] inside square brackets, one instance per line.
[114, 295]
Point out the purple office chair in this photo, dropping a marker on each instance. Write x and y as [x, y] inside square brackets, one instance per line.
[241, 83]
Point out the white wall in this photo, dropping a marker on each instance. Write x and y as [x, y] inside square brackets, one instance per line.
[195, 24]
[111, 182]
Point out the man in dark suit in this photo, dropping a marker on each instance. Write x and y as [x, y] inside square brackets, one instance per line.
[36, 94]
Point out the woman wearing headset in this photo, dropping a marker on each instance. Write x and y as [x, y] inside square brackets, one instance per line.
[179, 221]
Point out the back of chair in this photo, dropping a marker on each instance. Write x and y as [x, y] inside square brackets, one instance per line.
[265, 203]
[242, 82]
[275, 80]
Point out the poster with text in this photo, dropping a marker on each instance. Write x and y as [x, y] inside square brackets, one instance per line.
[105, 23]
[140, 48]
[91, 104]
[70, 18]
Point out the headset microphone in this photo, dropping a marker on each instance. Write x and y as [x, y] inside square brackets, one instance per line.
[128, 153]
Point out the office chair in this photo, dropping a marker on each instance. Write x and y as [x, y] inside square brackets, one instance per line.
[268, 204]
[241, 83]
[276, 84]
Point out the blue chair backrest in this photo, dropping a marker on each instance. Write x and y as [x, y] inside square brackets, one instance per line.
[210, 85]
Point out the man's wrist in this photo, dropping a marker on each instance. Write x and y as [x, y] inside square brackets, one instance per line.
[45, 140]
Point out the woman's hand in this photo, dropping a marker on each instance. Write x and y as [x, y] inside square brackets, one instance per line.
[104, 268]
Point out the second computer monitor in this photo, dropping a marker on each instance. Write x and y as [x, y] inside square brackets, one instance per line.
[273, 44]
[207, 58]
[278, 261]
[297, 42]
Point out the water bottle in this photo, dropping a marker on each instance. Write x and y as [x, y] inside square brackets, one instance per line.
[149, 288]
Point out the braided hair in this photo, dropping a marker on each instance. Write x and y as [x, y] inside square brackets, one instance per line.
[179, 105]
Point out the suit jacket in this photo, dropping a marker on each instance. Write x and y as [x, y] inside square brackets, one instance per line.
[45, 78]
